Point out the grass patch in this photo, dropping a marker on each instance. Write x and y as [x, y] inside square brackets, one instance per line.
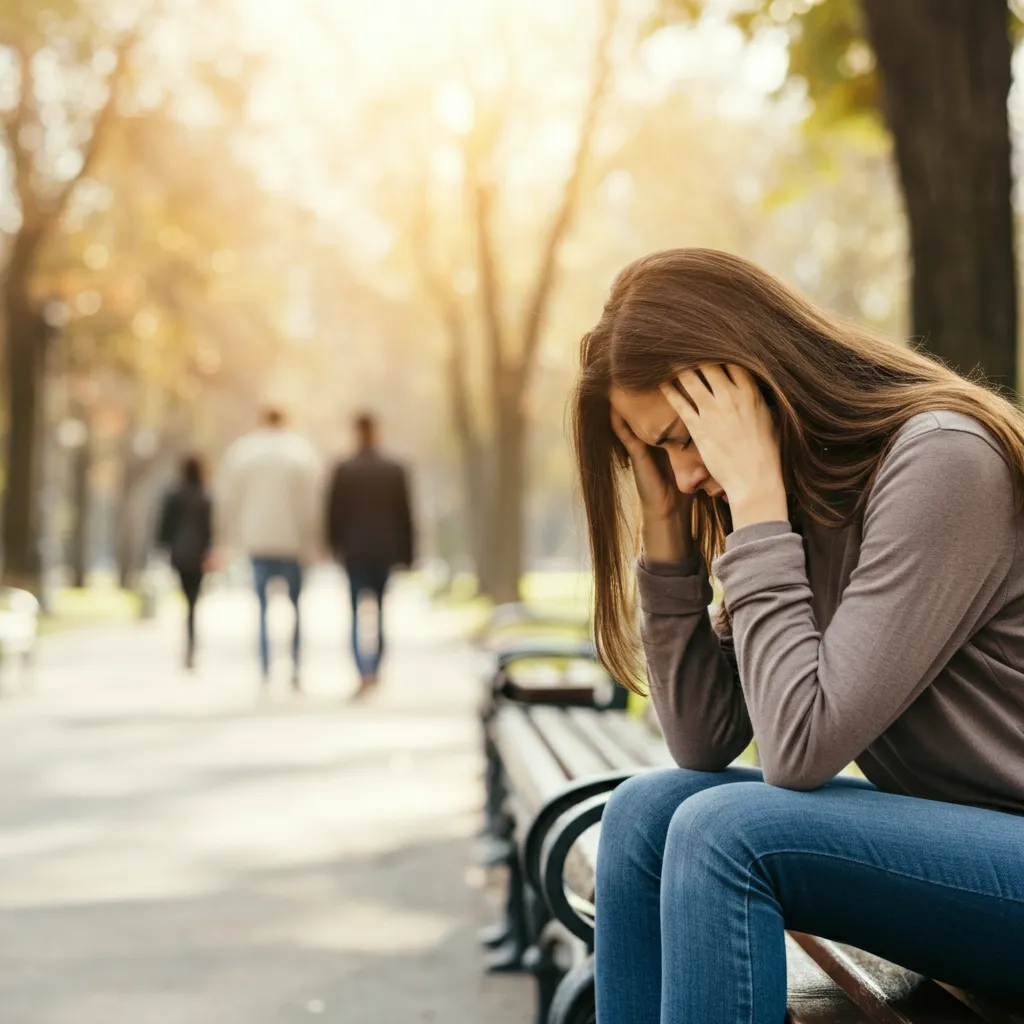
[77, 607]
[567, 591]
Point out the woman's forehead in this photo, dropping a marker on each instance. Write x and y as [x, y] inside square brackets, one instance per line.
[647, 412]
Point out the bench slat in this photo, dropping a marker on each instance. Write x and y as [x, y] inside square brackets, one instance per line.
[577, 756]
[594, 726]
[646, 747]
[534, 770]
[887, 993]
[989, 1010]
[812, 996]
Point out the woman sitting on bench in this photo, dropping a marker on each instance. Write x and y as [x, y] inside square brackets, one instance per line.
[861, 507]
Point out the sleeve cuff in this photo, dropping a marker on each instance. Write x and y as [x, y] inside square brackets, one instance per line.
[674, 588]
[759, 556]
[755, 532]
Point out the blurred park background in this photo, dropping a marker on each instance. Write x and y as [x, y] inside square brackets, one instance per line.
[417, 207]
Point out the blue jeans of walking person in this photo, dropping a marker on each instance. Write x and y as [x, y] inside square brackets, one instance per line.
[700, 873]
[290, 570]
[371, 580]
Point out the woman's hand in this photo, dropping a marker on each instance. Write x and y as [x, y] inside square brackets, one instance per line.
[733, 429]
[664, 510]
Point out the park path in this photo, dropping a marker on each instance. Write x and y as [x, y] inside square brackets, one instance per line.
[173, 851]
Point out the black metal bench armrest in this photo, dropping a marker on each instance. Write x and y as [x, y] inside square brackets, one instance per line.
[573, 910]
[602, 693]
[550, 814]
[561, 696]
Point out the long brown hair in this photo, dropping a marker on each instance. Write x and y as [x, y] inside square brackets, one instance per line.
[839, 395]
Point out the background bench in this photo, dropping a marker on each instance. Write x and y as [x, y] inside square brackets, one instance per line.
[553, 762]
[19, 630]
[526, 657]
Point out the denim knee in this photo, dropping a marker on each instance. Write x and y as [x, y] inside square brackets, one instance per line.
[723, 830]
[636, 820]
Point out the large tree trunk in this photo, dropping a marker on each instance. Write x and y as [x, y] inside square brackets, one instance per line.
[26, 334]
[477, 474]
[478, 488]
[945, 71]
[509, 499]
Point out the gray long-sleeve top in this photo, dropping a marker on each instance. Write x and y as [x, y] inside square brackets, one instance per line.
[897, 642]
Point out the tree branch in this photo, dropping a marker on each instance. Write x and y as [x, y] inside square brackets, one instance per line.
[21, 157]
[482, 199]
[562, 220]
[101, 126]
[454, 320]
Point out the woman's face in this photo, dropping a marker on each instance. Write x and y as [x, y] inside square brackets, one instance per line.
[657, 424]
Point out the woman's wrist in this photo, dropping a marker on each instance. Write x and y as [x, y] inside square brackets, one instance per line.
[766, 505]
[666, 538]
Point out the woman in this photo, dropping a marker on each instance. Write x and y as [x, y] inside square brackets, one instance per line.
[861, 507]
[186, 533]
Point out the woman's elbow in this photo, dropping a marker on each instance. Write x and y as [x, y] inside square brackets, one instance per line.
[794, 772]
[700, 755]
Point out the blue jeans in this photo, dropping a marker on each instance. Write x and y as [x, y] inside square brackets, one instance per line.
[699, 874]
[263, 571]
[372, 580]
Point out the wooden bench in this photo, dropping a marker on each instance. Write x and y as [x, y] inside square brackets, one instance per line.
[519, 641]
[552, 761]
[559, 768]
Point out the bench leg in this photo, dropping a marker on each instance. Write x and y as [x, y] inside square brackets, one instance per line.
[493, 935]
[509, 955]
[493, 787]
[574, 998]
[497, 849]
[543, 963]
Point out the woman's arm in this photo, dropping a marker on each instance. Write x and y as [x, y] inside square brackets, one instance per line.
[938, 541]
[693, 682]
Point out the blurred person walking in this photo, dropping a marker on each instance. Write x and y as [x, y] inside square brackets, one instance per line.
[186, 534]
[268, 506]
[370, 531]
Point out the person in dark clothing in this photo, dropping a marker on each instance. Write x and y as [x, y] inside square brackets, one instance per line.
[186, 534]
[370, 532]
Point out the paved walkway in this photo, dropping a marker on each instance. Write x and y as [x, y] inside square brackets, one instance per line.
[173, 851]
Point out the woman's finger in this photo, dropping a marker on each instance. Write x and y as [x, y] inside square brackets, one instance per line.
[742, 378]
[682, 404]
[718, 380]
[695, 387]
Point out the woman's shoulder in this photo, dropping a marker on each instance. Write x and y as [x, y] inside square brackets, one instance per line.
[946, 422]
[950, 451]
[947, 436]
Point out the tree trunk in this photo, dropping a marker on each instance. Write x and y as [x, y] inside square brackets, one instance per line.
[128, 562]
[26, 334]
[78, 553]
[478, 487]
[945, 73]
[128, 533]
[477, 475]
[509, 498]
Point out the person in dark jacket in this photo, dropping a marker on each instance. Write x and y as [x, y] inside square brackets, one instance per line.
[370, 532]
[186, 534]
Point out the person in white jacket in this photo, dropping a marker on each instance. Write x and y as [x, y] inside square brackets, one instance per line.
[269, 506]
